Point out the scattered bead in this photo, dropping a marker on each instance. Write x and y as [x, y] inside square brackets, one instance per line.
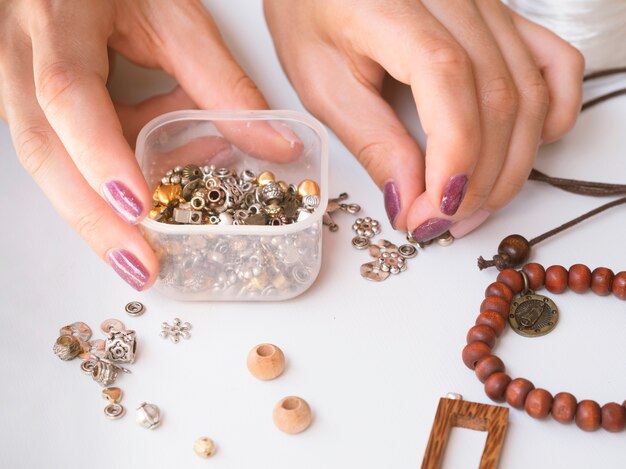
[266, 361]
[204, 447]
[292, 415]
[112, 394]
[619, 285]
[148, 415]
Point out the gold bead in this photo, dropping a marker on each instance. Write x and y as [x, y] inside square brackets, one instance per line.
[283, 186]
[292, 415]
[266, 361]
[204, 447]
[166, 193]
[308, 187]
[265, 178]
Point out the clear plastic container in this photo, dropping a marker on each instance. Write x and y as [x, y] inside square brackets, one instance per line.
[237, 262]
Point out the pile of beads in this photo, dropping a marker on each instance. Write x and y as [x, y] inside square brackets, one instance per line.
[193, 195]
[521, 393]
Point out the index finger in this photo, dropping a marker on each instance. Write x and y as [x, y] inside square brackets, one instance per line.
[70, 64]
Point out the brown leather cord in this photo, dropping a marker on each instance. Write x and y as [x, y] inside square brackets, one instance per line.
[596, 189]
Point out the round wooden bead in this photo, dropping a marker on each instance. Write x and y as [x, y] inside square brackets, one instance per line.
[613, 417]
[579, 278]
[482, 333]
[564, 407]
[493, 320]
[204, 447]
[516, 392]
[588, 415]
[512, 278]
[619, 285]
[556, 278]
[266, 361]
[487, 366]
[538, 403]
[514, 250]
[536, 275]
[495, 303]
[292, 415]
[499, 289]
[601, 281]
[496, 385]
[474, 352]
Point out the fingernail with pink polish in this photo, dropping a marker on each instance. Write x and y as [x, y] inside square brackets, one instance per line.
[122, 200]
[453, 194]
[463, 227]
[392, 201]
[129, 268]
[431, 229]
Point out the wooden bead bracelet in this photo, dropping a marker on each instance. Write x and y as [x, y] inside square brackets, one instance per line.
[521, 393]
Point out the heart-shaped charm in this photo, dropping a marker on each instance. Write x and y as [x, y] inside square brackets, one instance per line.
[113, 394]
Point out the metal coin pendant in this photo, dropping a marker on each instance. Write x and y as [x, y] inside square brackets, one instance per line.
[533, 315]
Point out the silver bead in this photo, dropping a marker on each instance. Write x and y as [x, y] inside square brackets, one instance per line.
[189, 217]
[121, 346]
[148, 416]
[67, 347]
[104, 373]
[454, 395]
[135, 308]
[225, 219]
[114, 411]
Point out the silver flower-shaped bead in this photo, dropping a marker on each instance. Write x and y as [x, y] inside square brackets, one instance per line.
[176, 330]
[366, 227]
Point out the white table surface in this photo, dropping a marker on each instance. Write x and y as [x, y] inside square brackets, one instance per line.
[371, 359]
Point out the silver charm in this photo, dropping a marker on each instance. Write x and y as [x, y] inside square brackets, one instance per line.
[104, 373]
[109, 325]
[176, 330]
[67, 347]
[333, 206]
[114, 411]
[121, 346]
[366, 227]
[388, 261]
[135, 308]
[408, 251]
[148, 415]
[77, 329]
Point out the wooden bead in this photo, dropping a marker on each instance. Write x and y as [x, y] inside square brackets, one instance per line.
[579, 278]
[514, 250]
[619, 285]
[493, 320]
[588, 415]
[601, 281]
[482, 333]
[613, 417]
[204, 447]
[266, 361]
[536, 275]
[556, 278]
[474, 352]
[512, 278]
[538, 403]
[499, 289]
[495, 303]
[292, 415]
[564, 407]
[516, 392]
[496, 385]
[487, 366]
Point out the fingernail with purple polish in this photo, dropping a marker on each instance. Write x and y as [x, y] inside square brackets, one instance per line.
[453, 194]
[431, 229]
[122, 200]
[129, 268]
[392, 201]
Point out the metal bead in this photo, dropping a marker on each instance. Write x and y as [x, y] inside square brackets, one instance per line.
[109, 325]
[114, 411]
[189, 217]
[77, 329]
[135, 308]
[67, 347]
[113, 394]
[408, 251]
[121, 346]
[454, 395]
[360, 242]
[445, 239]
[148, 415]
[265, 178]
[225, 219]
[308, 187]
[104, 373]
[204, 447]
